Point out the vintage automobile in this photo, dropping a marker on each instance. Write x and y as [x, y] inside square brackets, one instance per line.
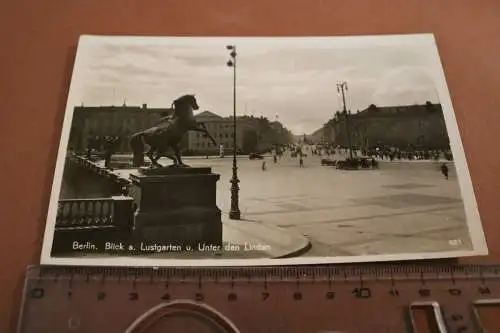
[328, 162]
[356, 163]
[255, 156]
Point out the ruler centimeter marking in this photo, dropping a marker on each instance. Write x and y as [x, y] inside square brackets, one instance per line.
[390, 298]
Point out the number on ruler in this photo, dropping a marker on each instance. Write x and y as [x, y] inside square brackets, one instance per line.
[101, 295]
[484, 290]
[37, 293]
[330, 295]
[424, 292]
[166, 297]
[133, 296]
[199, 297]
[297, 296]
[232, 297]
[362, 292]
[394, 292]
[265, 295]
[455, 291]
[458, 318]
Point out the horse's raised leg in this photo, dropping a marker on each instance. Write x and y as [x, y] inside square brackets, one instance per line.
[202, 128]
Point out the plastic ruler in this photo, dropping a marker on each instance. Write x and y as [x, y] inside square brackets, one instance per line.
[352, 299]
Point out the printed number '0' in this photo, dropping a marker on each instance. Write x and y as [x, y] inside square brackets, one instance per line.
[362, 292]
[37, 293]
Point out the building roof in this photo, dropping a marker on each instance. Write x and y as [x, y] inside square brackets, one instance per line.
[112, 108]
[208, 114]
[374, 110]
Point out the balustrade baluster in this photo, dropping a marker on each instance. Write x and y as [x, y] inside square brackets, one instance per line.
[98, 212]
[81, 213]
[112, 213]
[66, 210]
[90, 212]
[59, 214]
[73, 218]
[105, 212]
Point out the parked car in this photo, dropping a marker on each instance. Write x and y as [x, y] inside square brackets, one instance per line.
[255, 156]
[328, 162]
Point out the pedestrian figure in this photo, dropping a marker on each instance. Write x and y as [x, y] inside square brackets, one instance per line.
[108, 151]
[263, 165]
[301, 162]
[90, 145]
[275, 159]
[444, 170]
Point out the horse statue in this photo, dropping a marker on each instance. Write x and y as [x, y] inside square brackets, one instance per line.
[168, 134]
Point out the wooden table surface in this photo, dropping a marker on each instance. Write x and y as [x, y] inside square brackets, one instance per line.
[38, 40]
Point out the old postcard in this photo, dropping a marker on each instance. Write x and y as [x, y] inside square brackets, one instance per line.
[259, 151]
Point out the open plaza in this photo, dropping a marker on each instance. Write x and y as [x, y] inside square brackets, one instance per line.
[401, 207]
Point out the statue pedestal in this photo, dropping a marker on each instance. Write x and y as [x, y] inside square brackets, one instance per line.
[176, 206]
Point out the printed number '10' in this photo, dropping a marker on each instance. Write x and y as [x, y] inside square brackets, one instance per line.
[362, 292]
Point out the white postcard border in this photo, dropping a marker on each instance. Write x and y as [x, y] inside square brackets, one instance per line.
[467, 191]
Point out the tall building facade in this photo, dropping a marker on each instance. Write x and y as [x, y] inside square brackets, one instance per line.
[222, 130]
[404, 127]
[121, 121]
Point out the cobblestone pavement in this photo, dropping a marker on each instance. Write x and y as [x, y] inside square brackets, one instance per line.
[399, 208]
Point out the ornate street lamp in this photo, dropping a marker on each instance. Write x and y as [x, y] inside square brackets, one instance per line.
[234, 213]
[342, 88]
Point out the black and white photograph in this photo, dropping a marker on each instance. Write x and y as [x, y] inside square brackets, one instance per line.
[238, 151]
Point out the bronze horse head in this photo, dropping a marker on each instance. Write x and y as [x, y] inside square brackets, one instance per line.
[184, 106]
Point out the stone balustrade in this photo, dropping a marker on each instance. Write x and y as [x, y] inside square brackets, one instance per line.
[96, 220]
[114, 211]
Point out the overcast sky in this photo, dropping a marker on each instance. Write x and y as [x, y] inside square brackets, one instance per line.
[292, 78]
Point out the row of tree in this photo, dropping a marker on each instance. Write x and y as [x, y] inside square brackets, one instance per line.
[263, 134]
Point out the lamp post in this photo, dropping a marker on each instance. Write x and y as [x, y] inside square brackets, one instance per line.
[342, 87]
[277, 134]
[234, 213]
